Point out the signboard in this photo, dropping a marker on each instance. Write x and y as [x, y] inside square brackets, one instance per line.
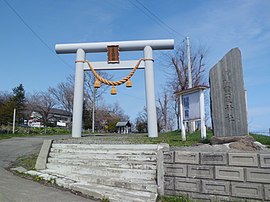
[113, 54]
[191, 106]
[61, 124]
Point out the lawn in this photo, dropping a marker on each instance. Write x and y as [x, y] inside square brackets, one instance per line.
[173, 138]
[30, 132]
[262, 139]
[28, 162]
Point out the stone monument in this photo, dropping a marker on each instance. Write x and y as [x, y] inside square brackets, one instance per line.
[227, 95]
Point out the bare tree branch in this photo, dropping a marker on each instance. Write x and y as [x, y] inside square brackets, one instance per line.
[89, 85]
[177, 63]
[43, 103]
[63, 94]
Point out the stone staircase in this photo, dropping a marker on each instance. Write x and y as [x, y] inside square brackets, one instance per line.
[116, 171]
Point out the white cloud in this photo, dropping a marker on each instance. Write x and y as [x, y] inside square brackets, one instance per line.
[227, 24]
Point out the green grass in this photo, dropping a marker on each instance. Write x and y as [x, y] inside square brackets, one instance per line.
[7, 136]
[29, 132]
[28, 162]
[262, 139]
[173, 138]
[175, 199]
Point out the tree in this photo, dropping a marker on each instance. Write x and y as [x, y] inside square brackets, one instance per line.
[94, 94]
[87, 118]
[10, 101]
[141, 121]
[6, 108]
[178, 65]
[91, 93]
[102, 117]
[165, 112]
[43, 103]
[63, 94]
[106, 117]
[116, 109]
[19, 95]
[117, 114]
[18, 100]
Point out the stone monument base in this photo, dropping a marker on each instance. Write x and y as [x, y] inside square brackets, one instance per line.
[246, 143]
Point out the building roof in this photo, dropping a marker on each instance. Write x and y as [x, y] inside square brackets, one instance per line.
[60, 112]
[192, 90]
[122, 124]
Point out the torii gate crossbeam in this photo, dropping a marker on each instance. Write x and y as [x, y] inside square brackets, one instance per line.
[82, 48]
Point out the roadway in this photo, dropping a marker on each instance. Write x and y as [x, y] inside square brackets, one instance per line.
[16, 189]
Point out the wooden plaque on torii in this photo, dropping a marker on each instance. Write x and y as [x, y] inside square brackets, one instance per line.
[113, 54]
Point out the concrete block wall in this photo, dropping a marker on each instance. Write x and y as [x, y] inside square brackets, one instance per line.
[218, 176]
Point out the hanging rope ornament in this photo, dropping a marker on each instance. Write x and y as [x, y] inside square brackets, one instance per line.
[97, 84]
[128, 84]
[114, 83]
[113, 91]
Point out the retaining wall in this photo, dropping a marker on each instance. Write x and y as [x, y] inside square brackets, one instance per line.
[208, 176]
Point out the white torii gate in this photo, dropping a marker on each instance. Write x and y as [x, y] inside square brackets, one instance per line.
[82, 48]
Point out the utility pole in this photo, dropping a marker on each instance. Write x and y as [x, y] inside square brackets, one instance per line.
[93, 110]
[246, 99]
[192, 123]
[189, 64]
[14, 119]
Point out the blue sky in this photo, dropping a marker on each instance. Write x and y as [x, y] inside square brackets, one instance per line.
[219, 25]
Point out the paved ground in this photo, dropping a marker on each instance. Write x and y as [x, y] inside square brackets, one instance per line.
[16, 189]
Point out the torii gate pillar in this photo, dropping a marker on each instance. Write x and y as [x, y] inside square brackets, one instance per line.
[82, 48]
[78, 95]
[150, 93]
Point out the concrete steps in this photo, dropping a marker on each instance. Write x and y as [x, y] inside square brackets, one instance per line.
[118, 172]
[121, 173]
[116, 157]
[130, 183]
[108, 163]
[115, 194]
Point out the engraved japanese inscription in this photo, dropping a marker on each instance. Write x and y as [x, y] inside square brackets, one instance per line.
[228, 105]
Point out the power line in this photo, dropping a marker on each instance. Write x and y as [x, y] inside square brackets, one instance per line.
[155, 18]
[33, 32]
[152, 18]
[161, 21]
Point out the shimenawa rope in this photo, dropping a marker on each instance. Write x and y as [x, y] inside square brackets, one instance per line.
[114, 83]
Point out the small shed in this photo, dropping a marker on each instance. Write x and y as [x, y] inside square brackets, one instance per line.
[123, 127]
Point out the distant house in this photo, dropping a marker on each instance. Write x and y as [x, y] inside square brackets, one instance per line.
[57, 117]
[123, 127]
